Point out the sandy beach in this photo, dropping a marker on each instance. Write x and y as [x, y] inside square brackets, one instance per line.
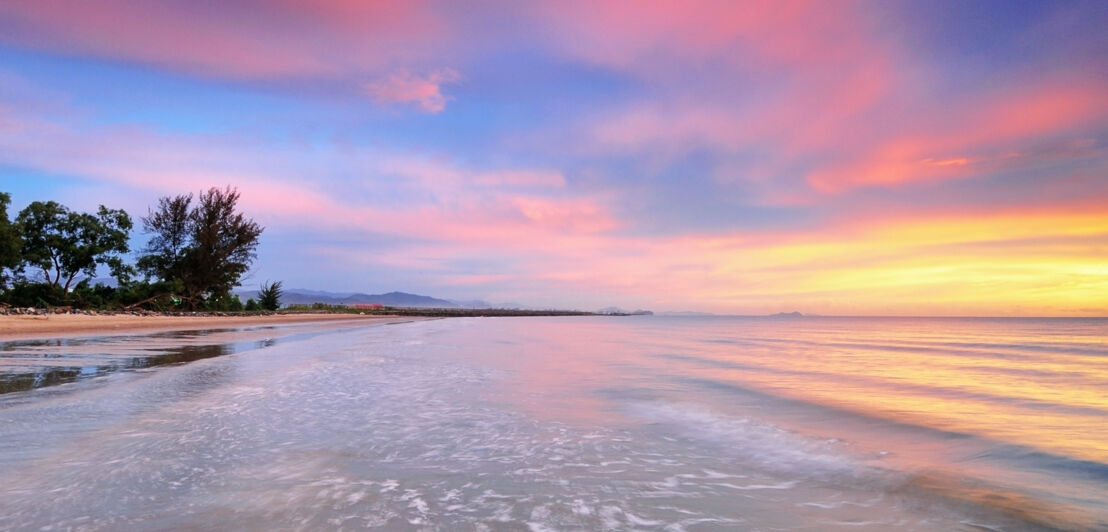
[61, 325]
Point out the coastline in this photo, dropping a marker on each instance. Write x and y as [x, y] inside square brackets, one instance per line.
[26, 327]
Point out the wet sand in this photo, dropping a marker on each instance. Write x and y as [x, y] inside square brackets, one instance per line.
[62, 325]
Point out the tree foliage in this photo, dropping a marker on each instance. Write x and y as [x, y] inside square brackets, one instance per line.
[62, 244]
[166, 254]
[207, 246]
[200, 247]
[269, 296]
[9, 240]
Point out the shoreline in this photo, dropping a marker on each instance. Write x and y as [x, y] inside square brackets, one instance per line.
[45, 326]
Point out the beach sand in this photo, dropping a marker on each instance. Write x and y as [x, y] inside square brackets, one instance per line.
[62, 325]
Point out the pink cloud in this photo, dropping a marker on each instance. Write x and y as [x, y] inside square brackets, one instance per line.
[490, 209]
[405, 88]
[671, 128]
[772, 82]
[788, 80]
[456, 280]
[644, 36]
[522, 178]
[973, 139]
[575, 215]
[445, 177]
[288, 38]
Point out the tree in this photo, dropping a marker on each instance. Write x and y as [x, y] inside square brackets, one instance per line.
[63, 244]
[9, 240]
[269, 296]
[207, 247]
[171, 229]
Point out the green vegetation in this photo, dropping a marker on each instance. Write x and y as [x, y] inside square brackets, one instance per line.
[198, 250]
[9, 241]
[269, 297]
[206, 248]
[63, 244]
[197, 253]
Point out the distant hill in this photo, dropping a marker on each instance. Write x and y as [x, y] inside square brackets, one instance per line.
[296, 296]
[305, 291]
[400, 299]
[472, 303]
[616, 311]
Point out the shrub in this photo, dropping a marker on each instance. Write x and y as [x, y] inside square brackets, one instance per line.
[41, 295]
[269, 296]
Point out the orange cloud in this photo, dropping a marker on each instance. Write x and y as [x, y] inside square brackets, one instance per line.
[1044, 263]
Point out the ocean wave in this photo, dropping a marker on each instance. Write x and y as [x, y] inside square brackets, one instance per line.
[800, 459]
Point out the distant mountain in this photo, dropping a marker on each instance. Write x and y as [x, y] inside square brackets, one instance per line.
[320, 292]
[400, 299]
[620, 312]
[482, 304]
[296, 296]
[472, 303]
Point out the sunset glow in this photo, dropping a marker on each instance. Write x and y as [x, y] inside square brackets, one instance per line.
[843, 158]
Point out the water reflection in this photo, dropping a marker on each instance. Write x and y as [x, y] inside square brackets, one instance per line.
[20, 371]
[17, 382]
[1013, 405]
[559, 423]
[37, 363]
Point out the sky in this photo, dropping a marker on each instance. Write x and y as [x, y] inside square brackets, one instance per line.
[840, 158]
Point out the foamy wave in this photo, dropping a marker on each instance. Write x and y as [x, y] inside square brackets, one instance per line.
[764, 445]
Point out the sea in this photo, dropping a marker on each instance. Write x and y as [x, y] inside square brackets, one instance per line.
[563, 423]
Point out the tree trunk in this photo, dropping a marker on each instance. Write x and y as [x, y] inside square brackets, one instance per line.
[145, 301]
